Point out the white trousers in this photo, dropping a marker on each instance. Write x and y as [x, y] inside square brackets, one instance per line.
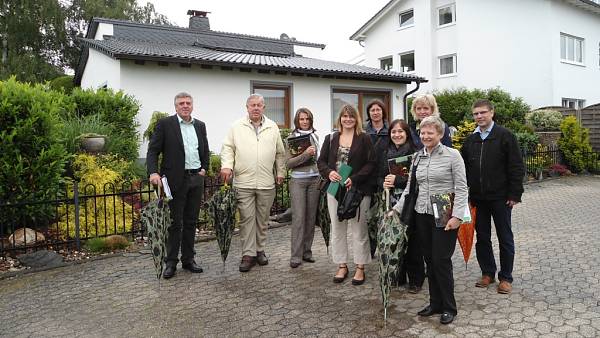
[358, 228]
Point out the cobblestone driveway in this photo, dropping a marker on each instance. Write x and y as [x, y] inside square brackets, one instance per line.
[556, 290]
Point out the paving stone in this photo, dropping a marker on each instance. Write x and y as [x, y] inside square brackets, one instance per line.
[556, 289]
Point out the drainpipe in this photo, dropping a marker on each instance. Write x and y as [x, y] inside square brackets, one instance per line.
[404, 101]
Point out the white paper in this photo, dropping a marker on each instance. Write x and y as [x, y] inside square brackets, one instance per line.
[435, 210]
[166, 188]
[467, 215]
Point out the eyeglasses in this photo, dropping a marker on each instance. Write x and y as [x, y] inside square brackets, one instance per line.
[481, 112]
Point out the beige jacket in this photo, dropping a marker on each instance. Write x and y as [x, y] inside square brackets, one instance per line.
[254, 157]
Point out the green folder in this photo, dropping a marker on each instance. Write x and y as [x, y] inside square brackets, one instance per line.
[344, 171]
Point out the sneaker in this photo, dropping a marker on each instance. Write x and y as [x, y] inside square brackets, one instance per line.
[504, 287]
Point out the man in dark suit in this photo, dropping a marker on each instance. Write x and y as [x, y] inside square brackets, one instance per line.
[182, 142]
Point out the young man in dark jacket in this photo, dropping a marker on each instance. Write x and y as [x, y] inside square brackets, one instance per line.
[495, 173]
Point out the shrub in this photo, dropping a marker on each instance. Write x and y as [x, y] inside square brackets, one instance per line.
[215, 164]
[539, 161]
[455, 105]
[465, 129]
[100, 216]
[95, 244]
[156, 115]
[62, 83]
[116, 242]
[527, 141]
[544, 120]
[119, 112]
[575, 144]
[31, 158]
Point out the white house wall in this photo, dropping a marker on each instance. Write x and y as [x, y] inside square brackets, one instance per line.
[574, 81]
[103, 29]
[511, 44]
[219, 96]
[101, 70]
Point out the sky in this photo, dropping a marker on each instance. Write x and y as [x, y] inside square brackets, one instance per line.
[329, 22]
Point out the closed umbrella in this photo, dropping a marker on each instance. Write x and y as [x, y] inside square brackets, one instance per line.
[375, 214]
[156, 218]
[391, 242]
[222, 207]
[465, 235]
[323, 220]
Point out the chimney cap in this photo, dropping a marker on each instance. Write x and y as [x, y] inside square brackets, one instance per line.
[194, 12]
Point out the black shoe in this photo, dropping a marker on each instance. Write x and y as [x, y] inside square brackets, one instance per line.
[360, 281]
[294, 265]
[261, 258]
[428, 311]
[446, 318]
[169, 271]
[192, 267]
[308, 259]
[341, 279]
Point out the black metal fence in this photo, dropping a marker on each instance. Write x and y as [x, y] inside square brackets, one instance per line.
[543, 158]
[78, 213]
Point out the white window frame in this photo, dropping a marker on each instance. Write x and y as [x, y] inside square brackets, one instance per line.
[577, 42]
[453, 9]
[454, 65]
[390, 57]
[406, 25]
[577, 103]
[400, 62]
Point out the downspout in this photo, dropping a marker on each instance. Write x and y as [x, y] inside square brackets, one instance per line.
[404, 101]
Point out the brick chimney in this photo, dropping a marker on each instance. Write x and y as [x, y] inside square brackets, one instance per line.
[198, 20]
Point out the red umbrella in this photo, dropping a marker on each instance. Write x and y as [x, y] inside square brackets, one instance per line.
[466, 233]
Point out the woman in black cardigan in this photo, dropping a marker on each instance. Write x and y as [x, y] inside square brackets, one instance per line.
[400, 143]
[353, 147]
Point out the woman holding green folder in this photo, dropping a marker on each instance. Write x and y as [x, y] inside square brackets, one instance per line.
[347, 158]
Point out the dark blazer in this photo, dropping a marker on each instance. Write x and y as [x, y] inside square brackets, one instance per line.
[494, 166]
[361, 158]
[167, 140]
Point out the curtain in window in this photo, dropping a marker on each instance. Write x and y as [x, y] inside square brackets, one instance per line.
[275, 104]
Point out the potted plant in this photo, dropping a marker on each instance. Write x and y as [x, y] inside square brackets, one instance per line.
[92, 142]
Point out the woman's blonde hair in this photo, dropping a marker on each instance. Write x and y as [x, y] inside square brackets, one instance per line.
[350, 110]
[428, 100]
[435, 122]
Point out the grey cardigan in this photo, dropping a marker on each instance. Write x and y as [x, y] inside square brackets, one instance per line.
[440, 172]
[300, 162]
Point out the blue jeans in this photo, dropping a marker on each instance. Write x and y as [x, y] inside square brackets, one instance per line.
[483, 226]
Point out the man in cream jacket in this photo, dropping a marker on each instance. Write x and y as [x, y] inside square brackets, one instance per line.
[252, 154]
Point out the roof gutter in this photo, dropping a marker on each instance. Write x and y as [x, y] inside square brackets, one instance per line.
[405, 102]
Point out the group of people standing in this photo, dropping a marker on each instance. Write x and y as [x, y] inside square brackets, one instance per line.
[487, 172]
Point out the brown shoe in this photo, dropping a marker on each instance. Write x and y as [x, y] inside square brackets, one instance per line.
[504, 287]
[485, 281]
[247, 263]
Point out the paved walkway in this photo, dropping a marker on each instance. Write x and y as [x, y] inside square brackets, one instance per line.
[556, 290]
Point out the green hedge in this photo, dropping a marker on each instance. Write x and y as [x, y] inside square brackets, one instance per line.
[32, 160]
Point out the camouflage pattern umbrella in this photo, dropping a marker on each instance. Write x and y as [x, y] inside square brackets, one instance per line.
[392, 241]
[222, 208]
[156, 218]
[323, 220]
[375, 214]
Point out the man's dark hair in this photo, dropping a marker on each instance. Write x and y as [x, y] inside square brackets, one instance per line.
[483, 103]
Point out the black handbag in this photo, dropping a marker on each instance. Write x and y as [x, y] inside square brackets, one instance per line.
[410, 200]
[350, 204]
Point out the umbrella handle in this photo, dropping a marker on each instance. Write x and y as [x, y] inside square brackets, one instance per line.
[387, 199]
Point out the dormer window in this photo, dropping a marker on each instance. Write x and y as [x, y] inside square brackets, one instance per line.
[407, 18]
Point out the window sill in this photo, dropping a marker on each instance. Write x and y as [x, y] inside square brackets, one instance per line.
[447, 25]
[401, 28]
[573, 63]
[448, 75]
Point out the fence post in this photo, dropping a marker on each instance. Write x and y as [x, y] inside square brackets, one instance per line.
[76, 202]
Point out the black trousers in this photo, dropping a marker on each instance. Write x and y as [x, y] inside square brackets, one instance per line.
[184, 208]
[497, 209]
[438, 247]
[413, 265]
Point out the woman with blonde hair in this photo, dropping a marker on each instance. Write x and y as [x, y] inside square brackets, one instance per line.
[349, 146]
[422, 107]
[304, 188]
